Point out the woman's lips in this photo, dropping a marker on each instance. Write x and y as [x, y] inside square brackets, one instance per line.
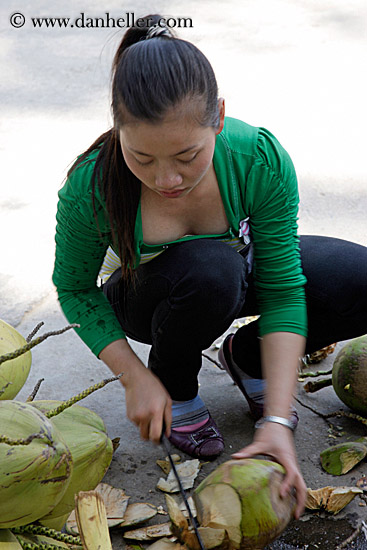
[171, 194]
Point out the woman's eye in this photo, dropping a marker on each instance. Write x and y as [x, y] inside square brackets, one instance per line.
[144, 163]
[190, 160]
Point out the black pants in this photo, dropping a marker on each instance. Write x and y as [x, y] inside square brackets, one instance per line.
[189, 295]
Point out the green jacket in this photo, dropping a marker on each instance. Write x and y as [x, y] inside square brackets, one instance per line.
[257, 180]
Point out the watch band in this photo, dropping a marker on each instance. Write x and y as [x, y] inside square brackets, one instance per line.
[277, 420]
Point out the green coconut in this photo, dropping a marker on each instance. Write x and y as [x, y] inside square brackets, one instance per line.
[14, 372]
[239, 505]
[84, 433]
[350, 375]
[35, 464]
[8, 541]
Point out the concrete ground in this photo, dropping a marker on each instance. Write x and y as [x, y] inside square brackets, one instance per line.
[296, 68]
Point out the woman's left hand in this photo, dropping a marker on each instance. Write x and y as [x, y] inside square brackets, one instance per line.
[276, 441]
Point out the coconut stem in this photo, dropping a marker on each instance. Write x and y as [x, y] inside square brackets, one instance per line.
[23, 441]
[37, 546]
[52, 533]
[317, 385]
[304, 375]
[80, 396]
[35, 391]
[348, 415]
[34, 331]
[33, 343]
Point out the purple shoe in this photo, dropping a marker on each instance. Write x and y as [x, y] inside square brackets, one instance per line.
[206, 442]
[256, 402]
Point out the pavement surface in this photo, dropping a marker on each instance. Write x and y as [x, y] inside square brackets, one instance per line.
[296, 68]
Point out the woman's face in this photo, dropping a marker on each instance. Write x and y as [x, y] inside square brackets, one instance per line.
[170, 157]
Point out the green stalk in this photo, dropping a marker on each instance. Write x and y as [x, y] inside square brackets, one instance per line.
[314, 374]
[31, 397]
[52, 533]
[348, 415]
[80, 396]
[34, 331]
[23, 441]
[311, 387]
[33, 343]
[34, 546]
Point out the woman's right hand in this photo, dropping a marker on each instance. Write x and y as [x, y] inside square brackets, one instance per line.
[148, 404]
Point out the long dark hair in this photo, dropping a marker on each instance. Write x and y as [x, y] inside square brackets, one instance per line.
[148, 78]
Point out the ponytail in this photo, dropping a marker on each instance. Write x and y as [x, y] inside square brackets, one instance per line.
[152, 71]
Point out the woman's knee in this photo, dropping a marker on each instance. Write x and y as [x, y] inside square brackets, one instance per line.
[215, 274]
[336, 272]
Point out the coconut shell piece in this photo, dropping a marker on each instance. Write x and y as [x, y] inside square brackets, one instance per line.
[340, 497]
[330, 499]
[115, 502]
[211, 538]
[91, 518]
[149, 533]
[219, 507]
[339, 459]
[138, 513]
[210, 535]
[192, 508]
[179, 522]
[166, 544]
[187, 471]
[165, 464]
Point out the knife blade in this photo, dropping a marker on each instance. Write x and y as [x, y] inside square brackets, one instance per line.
[182, 490]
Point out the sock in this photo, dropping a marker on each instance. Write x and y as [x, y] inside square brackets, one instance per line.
[255, 387]
[188, 416]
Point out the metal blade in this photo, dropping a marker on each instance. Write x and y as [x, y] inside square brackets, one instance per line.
[182, 491]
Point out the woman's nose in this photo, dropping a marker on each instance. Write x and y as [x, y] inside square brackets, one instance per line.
[168, 179]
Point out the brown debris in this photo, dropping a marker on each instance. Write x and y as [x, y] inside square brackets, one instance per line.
[362, 484]
[330, 499]
[165, 464]
[187, 471]
[149, 533]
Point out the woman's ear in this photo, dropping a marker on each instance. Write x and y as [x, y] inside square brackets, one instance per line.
[221, 107]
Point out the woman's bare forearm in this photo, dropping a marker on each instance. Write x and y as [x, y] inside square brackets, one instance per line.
[120, 357]
[148, 403]
[280, 355]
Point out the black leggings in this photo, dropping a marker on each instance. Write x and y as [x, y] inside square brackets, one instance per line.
[188, 296]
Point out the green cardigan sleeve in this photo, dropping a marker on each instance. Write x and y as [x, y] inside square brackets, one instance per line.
[81, 244]
[271, 197]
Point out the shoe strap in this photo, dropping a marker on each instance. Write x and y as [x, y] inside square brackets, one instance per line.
[209, 432]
